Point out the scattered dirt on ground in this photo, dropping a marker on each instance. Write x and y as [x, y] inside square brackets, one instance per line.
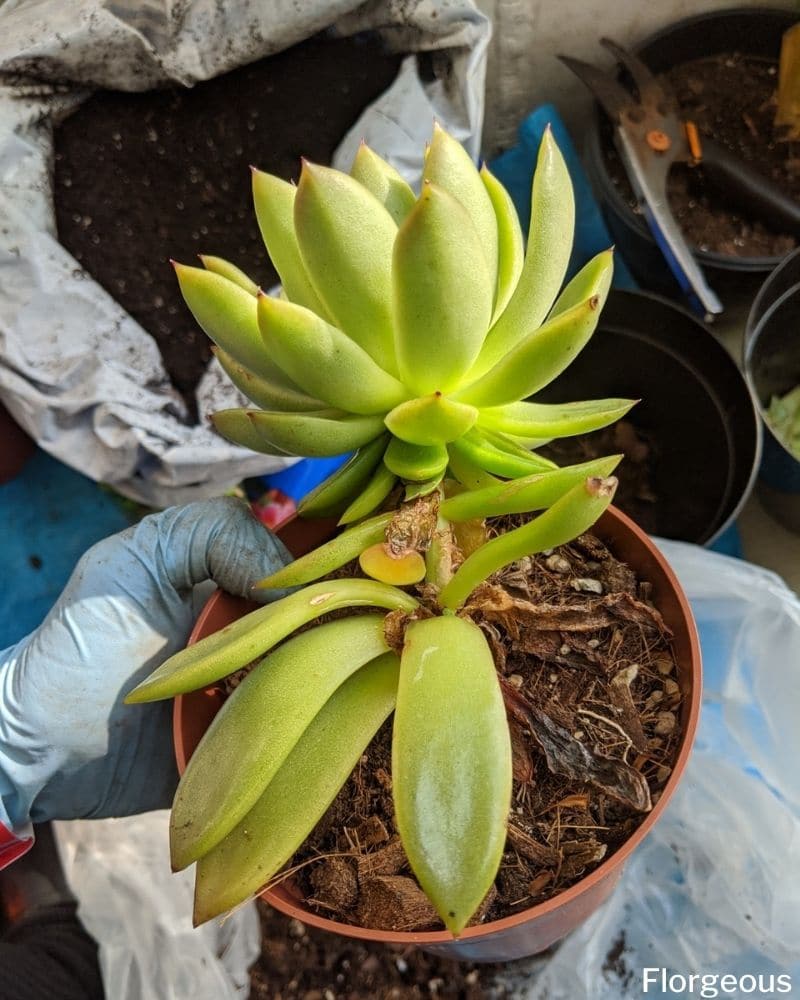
[301, 962]
[142, 178]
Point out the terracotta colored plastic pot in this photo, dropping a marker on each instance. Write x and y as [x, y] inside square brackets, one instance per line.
[537, 928]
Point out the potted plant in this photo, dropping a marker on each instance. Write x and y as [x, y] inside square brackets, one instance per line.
[722, 66]
[450, 326]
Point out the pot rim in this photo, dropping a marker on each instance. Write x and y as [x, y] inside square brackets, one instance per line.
[728, 262]
[283, 900]
[705, 336]
[748, 349]
[757, 309]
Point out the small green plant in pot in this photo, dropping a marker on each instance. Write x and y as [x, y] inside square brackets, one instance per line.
[411, 329]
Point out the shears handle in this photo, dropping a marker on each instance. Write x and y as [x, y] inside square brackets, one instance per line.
[650, 187]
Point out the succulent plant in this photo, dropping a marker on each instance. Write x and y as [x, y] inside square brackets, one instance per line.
[411, 329]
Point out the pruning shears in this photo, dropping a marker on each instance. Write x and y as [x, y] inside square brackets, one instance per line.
[651, 135]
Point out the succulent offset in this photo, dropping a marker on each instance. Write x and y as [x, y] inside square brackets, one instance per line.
[411, 329]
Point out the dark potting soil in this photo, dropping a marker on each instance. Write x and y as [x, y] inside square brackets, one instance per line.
[142, 178]
[302, 962]
[593, 702]
[731, 98]
[636, 494]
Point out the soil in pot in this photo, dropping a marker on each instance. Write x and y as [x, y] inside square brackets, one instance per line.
[140, 178]
[590, 686]
[731, 98]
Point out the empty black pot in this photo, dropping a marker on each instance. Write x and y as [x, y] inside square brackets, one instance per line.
[752, 31]
[696, 411]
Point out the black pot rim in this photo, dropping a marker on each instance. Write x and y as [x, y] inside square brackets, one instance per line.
[757, 310]
[747, 352]
[621, 204]
[725, 358]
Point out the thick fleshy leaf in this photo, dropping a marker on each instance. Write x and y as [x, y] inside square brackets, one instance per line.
[432, 419]
[380, 562]
[316, 434]
[330, 556]
[371, 496]
[229, 315]
[570, 516]
[546, 420]
[416, 462]
[521, 496]
[594, 278]
[235, 425]
[230, 271]
[451, 764]
[253, 635]
[537, 359]
[299, 793]
[274, 204]
[257, 727]
[468, 472]
[499, 457]
[442, 293]
[510, 244]
[381, 179]
[546, 258]
[325, 362]
[415, 490]
[334, 494]
[345, 237]
[263, 392]
[449, 166]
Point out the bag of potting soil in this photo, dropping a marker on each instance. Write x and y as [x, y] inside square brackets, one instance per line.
[77, 371]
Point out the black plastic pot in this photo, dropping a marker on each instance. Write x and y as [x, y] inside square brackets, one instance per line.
[785, 276]
[752, 31]
[772, 366]
[696, 408]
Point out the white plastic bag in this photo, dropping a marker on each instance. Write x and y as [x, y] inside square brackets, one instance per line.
[66, 346]
[140, 914]
[715, 888]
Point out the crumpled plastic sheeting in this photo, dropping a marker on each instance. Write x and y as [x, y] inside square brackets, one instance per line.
[140, 914]
[715, 888]
[76, 371]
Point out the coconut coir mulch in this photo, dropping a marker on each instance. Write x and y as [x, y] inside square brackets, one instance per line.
[730, 98]
[141, 178]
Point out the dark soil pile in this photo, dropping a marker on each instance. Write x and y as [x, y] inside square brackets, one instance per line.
[730, 98]
[301, 962]
[594, 708]
[141, 178]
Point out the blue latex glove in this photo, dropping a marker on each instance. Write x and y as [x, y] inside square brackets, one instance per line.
[69, 747]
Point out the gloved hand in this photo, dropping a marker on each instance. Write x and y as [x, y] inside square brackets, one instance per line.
[69, 747]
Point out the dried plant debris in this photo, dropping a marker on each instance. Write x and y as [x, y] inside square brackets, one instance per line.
[593, 702]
